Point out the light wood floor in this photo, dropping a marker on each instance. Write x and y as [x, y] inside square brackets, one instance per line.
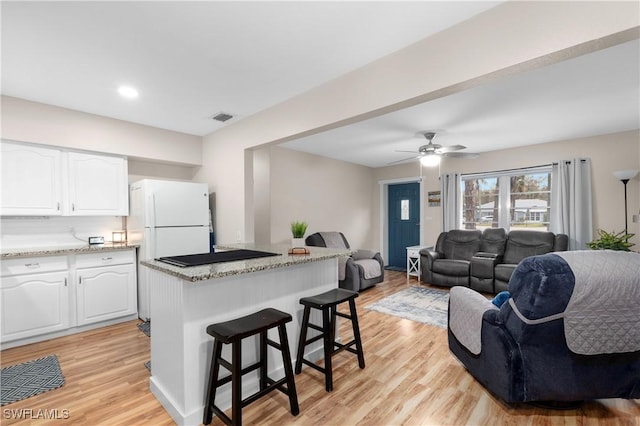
[410, 378]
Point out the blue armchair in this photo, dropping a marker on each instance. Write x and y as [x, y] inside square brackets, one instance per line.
[570, 330]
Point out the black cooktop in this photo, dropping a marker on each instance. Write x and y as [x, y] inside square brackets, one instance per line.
[218, 257]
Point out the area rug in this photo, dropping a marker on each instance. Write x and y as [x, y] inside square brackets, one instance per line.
[31, 378]
[145, 327]
[421, 304]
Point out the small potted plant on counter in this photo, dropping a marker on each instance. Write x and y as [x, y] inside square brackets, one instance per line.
[298, 229]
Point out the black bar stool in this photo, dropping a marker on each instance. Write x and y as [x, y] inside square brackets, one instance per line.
[233, 332]
[327, 303]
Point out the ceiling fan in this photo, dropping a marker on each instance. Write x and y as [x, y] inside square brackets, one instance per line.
[431, 153]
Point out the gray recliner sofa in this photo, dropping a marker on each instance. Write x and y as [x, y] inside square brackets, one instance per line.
[521, 244]
[363, 269]
[483, 260]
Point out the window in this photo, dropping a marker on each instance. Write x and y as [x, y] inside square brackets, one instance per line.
[515, 199]
[404, 209]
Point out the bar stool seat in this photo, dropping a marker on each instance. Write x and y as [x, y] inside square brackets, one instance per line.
[327, 303]
[232, 332]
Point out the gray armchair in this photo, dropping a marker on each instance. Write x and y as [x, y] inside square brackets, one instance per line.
[364, 269]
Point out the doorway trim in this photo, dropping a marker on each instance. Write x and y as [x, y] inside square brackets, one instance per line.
[384, 210]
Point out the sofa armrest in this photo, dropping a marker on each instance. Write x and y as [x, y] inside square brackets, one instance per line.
[363, 254]
[482, 266]
[351, 279]
[466, 310]
[430, 253]
[484, 254]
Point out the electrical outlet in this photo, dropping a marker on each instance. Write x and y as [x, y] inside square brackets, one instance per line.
[636, 218]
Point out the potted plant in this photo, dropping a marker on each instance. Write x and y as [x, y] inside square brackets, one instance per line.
[298, 229]
[611, 241]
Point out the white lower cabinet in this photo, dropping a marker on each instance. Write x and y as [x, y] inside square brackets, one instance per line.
[51, 296]
[34, 304]
[105, 292]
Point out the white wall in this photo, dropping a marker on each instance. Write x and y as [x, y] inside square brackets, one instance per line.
[329, 195]
[153, 170]
[27, 121]
[21, 232]
[511, 38]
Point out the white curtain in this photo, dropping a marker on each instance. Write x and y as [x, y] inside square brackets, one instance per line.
[450, 198]
[571, 201]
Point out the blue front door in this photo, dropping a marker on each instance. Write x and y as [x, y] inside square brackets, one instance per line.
[404, 221]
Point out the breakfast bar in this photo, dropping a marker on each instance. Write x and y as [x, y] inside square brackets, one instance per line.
[184, 300]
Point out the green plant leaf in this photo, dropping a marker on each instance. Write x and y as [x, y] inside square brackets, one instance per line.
[298, 229]
[611, 241]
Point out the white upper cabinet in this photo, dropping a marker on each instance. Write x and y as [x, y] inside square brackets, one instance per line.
[39, 181]
[97, 185]
[31, 181]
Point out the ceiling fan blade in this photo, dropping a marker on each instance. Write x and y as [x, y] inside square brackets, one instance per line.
[460, 154]
[405, 159]
[410, 152]
[450, 148]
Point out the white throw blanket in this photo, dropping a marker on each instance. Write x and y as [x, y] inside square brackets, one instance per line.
[466, 308]
[603, 314]
[335, 240]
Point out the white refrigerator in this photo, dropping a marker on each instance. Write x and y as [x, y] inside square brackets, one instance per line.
[166, 218]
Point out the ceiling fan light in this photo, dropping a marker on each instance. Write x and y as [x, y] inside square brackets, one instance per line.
[430, 160]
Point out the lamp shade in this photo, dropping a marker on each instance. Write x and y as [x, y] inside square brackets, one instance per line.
[625, 174]
[430, 160]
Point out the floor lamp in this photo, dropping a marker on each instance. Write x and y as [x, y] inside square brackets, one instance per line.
[624, 176]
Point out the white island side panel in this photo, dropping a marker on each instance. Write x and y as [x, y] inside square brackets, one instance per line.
[181, 348]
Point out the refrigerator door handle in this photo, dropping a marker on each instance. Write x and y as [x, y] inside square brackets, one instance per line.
[152, 243]
[152, 217]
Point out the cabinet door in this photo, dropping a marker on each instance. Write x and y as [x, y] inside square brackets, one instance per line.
[106, 292]
[34, 304]
[31, 180]
[97, 185]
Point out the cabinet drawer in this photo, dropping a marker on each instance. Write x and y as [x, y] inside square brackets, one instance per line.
[33, 265]
[413, 253]
[105, 258]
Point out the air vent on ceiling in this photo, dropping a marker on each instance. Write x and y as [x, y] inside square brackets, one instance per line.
[221, 117]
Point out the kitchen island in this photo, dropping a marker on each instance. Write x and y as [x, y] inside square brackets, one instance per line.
[184, 300]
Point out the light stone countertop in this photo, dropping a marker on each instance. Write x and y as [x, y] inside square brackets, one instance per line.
[6, 254]
[224, 269]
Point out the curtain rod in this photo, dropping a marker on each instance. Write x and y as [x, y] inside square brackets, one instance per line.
[509, 170]
[582, 160]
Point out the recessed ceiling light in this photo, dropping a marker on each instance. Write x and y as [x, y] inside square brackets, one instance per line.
[128, 92]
